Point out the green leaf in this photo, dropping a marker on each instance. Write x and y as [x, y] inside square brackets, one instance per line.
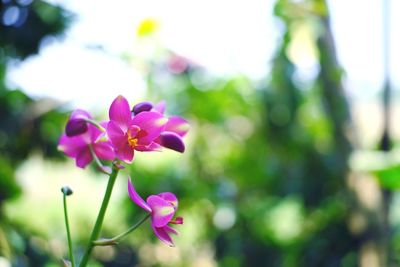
[389, 177]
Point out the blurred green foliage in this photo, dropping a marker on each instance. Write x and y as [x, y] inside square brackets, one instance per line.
[26, 124]
[263, 180]
[271, 156]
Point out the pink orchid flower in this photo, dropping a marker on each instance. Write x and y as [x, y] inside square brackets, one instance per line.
[129, 133]
[175, 128]
[162, 208]
[79, 146]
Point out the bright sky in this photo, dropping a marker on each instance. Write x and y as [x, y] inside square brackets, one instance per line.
[225, 36]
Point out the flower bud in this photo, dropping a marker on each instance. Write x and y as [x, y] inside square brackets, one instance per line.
[75, 127]
[66, 190]
[142, 106]
[172, 141]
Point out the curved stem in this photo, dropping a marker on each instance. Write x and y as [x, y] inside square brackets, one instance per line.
[96, 124]
[70, 248]
[100, 166]
[114, 240]
[100, 217]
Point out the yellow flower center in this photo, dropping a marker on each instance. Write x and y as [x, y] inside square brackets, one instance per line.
[132, 141]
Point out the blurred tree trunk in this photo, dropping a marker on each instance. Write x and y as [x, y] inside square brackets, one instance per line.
[385, 142]
[374, 239]
[330, 77]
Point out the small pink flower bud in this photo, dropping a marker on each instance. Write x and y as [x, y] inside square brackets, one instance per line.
[75, 127]
[142, 106]
[172, 141]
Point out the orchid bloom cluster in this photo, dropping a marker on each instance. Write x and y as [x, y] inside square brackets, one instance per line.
[143, 128]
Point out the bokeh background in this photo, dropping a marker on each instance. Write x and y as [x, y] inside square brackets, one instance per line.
[292, 158]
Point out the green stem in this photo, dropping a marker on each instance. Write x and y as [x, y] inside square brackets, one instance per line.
[100, 217]
[114, 240]
[71, 253]
[96, 124]
[97, 160]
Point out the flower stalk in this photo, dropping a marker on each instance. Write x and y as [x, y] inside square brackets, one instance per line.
[100, 217]
[114, 241]
[66, 192]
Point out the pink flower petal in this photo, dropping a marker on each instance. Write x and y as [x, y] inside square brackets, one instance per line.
[170, 230]
[104, 150]
[71, 146]
[136, 198]
[151, 125]
[95, 133]
[162, 210]
[83, 158]
[160, 107]
[177, 125]
[116, 135]
[80, 114]
[170, 197]
[125, 153]
[120, 113]
[162, 234]
[152, 147]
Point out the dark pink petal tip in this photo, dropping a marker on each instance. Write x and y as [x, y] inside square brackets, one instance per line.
[75, 127]
[172, 141]
[178, 220]
[142, 106]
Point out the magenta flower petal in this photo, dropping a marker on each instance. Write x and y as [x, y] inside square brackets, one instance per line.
[125, 153]
[160, 107]
[163, 235]
[83, 158]
[151, 125]
[152, 147]
[104, 150]
[120, 113]
[80, 114]
[170, 230]
[116, 135]
[172, 141]
[170, 197]
[71, 146]
[136, 198]
[142, 106]
[162, 210]
[94, 133]
[177, 125]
